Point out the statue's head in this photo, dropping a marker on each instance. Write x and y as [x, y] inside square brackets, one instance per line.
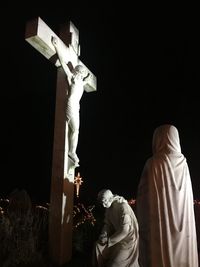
[105, 197]
[80, 69]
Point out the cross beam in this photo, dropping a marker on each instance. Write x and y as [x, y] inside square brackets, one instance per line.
[39, 35]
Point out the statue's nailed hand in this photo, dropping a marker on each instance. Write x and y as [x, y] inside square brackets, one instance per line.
[54, 41]
[87, 77]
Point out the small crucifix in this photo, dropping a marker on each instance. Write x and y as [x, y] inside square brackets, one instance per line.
[78, 182]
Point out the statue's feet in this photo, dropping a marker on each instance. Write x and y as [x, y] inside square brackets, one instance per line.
[76, 164]
[73, 157]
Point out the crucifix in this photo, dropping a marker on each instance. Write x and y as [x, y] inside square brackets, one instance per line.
[64, 52]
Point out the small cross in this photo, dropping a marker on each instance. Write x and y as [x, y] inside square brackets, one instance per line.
[78, 181]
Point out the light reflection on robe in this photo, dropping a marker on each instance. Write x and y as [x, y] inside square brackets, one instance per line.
[165, 205]
[121, 227]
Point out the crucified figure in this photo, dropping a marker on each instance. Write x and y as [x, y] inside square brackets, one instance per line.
[77, 78]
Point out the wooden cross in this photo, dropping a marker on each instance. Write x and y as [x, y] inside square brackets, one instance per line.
[39, 35]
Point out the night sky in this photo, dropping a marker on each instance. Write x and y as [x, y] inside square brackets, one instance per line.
[146, 60]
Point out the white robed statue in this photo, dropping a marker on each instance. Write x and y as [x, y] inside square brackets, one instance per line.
[165, 205]
[118, 243]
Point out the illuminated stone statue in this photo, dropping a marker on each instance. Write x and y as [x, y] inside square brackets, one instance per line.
[165, 205]
[117, 245]
[77, 78]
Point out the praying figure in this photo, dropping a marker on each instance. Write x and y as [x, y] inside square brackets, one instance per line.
[77, 78]
[165, 205]
[117, 245]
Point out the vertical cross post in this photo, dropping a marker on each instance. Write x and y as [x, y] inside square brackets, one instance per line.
[39, 35]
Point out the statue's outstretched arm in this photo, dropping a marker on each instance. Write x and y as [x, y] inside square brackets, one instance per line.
[62, 59]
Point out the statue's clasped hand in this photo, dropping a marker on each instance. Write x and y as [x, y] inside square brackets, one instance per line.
[103, 240]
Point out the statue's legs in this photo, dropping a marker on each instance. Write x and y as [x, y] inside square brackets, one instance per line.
[73, 134]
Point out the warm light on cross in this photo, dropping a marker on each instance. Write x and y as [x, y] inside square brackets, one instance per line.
[78, 181]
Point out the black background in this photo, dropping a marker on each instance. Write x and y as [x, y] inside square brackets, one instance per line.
[146, 60]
